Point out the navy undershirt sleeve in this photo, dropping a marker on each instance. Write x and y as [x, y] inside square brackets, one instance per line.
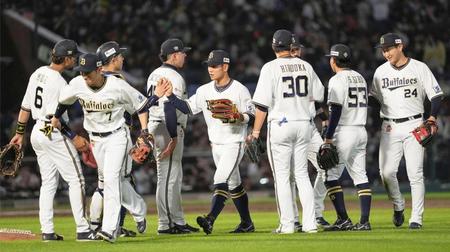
[179, 104]
[435, 105]
[170, 114]
[335, 115]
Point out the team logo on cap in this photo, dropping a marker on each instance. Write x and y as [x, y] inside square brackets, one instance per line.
[381, 40]
[110, 52]
[176, 48]
[210, 56]
[345, 54]
[82, 61]
[98, 64]
[226, 60]
[398, 41]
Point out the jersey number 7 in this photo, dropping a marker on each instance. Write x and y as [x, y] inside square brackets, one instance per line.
[297, 86]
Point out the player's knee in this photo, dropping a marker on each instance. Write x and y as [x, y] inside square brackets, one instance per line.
[388, 175]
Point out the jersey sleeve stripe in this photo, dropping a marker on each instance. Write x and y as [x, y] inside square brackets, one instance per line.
[259, 104]
[25, 109]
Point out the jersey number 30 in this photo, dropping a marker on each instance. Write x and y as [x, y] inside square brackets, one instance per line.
[297, 86]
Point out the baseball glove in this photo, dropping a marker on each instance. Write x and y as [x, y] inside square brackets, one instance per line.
[10, 159]
[224, 109]
[424, 133]
[254, 149]
[327, 156]
[142, 151]
[88, 157]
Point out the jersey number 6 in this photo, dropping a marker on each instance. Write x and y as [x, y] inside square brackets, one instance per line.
[301, 86]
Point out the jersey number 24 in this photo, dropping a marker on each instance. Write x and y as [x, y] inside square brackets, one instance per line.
[298, 86]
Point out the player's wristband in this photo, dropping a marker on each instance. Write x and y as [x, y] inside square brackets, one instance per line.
[20, 128]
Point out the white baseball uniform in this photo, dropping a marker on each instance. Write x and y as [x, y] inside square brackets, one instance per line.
[348, 89]
[227, 139]
[56, 155]
[103, 120]
[170, 171]
[287, 87]
[401, 93]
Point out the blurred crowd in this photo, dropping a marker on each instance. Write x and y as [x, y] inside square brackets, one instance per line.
[245, 29]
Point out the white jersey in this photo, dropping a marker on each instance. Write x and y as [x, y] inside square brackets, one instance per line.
[156, 113]
[402, 91]
[287, 87]
[41, 97]
[349, 89]
[219, 132]
[103, 108]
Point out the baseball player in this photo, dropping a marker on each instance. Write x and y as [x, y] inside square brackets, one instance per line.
[227, 138]
[111, 55]
[286, 88]
[347, 98]
[104, 100]
[169, 141]
[56, 155]
[320, 190]
[400, 86]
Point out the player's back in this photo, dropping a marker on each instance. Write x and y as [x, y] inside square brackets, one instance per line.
[286, 86]
[349, 89]
[42, 92]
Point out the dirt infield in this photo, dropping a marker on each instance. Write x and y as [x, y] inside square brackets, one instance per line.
[7, 234]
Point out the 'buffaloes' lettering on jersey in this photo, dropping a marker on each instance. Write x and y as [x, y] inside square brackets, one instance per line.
[402, 91]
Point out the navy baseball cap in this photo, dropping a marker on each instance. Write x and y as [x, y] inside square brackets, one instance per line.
[88, 62]
[217, 57]
[389, 39]
[65, 47]
[296, 43]
[108, 50]
[340, 52]
[173, 45]
[283, 38]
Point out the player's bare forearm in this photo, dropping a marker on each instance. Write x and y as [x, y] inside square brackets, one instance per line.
[260, 116]
[143, 119]
[24, 116]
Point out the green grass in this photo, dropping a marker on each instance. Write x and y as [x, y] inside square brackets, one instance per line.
[435, 236]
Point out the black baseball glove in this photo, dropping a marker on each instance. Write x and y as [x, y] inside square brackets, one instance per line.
[10, 159]
[254, 149]
[327, 157]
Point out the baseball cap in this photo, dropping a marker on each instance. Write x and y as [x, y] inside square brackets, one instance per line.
[389, 39]
[173, 45]
[340, 52]
[65, 47]
[88, 62]
[108, 50]
[217, 57]
[296, 44]
[282, 38]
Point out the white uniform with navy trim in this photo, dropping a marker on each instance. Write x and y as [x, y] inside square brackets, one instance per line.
[287, 87]
[103, 113]
[348, 89]
[227, 139]
[401, 93]
[56, 155]
[170, 170]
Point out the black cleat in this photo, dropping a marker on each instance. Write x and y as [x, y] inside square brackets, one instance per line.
[398, 218]
[102, 235]
[187, 227]
[415, 225]
[244, 228]
[52, 237]
[298, 226]
[321, 222]
[206, 223]
[340, 225]
[87, 236]
[174, 230]
[141, 226]
[123, 232]
[362, 227]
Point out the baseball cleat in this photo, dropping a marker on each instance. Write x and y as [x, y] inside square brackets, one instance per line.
[187, 227]
[87, 236]
[321, 222]
[141, 226]
[398, 218]
[174, 230]
[362, 227]
[123, 232]
[102, 235]
[206, 223]
[340, 225]
[244, 228]
[280, 230]
[312, 231]
[52, 237]
[415, 225]
[298, 226]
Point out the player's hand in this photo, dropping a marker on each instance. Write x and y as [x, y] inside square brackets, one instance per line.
[434, 128]
[17, 139]
[169, 90]
[328, 141]
[161, 87]
[56, 123]
[169, 149]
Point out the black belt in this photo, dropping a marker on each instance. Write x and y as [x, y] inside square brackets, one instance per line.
[404, 119]
[105, 134]
[160, 121]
